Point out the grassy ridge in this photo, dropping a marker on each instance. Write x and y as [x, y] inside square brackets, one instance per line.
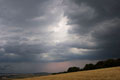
[100, 74]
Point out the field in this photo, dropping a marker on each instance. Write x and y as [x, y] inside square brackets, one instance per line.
[100, 74]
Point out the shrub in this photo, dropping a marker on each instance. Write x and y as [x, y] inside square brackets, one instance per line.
[73, 69]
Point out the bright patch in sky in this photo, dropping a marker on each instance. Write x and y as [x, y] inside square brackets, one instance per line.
[60, 30]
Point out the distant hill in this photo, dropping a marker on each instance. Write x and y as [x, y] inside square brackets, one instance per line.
[41, 73]
[98, 74]
[21, 75]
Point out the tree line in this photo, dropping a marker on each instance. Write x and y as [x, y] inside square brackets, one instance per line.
[98, 65]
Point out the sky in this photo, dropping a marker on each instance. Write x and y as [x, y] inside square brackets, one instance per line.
[52, 35]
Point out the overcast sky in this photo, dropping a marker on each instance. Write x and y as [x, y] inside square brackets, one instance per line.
[52, 35]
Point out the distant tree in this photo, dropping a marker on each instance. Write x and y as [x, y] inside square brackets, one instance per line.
[117, 63]
[109, 63]
[99, 64]
[89, 67]
[73, 69]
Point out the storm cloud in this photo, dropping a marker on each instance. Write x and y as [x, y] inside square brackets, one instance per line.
[42, 32]
[100, 21]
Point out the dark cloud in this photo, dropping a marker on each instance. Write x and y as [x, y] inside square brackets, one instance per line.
[24, 29]
[17, 13]
[85, 14]
[107, 9]
[24, 14]
[102, 26]
[107, 38]
[21, 52]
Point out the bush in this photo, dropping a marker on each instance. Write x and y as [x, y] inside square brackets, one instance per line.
[89, 67]
[73, 69]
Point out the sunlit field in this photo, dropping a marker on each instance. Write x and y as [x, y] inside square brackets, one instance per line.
[99, 74]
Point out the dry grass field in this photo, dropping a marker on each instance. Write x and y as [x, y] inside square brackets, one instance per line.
[100, 74]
